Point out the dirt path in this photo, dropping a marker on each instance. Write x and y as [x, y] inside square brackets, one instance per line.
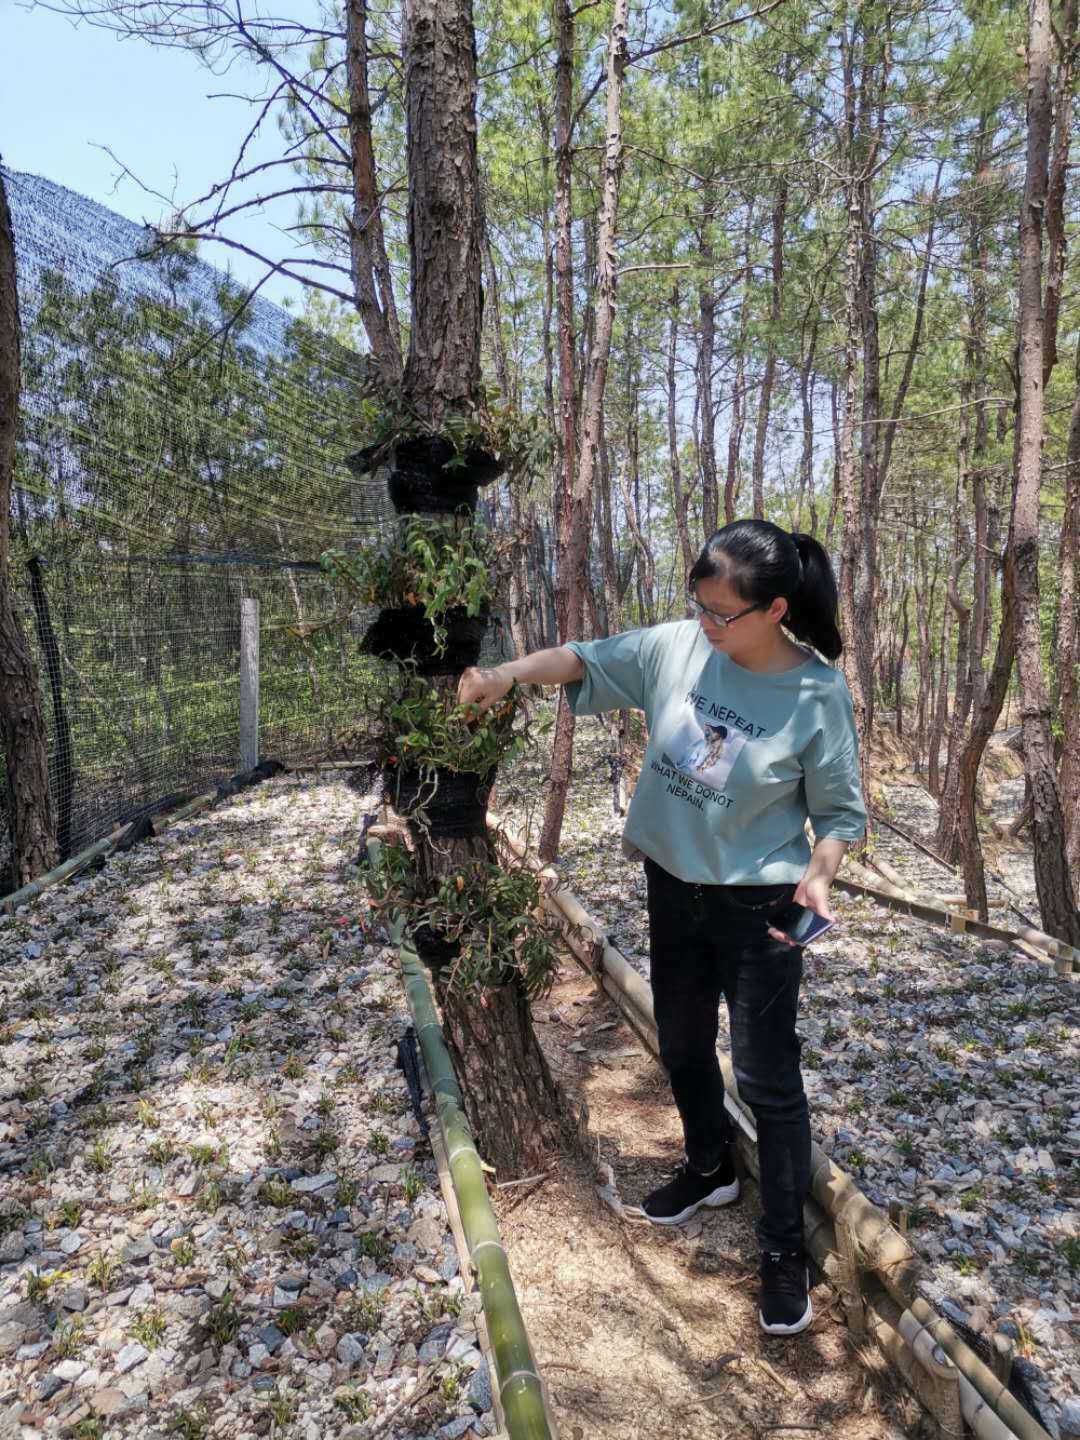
[647, 1332]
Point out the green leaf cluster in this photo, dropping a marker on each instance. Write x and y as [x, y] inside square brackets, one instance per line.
[491, 426]
[441, 564]
[495, 917]
[428, 730]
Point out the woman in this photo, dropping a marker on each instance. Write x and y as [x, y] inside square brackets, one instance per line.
[750, 734]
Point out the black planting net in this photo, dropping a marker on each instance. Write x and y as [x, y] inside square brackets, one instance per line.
[181, 449]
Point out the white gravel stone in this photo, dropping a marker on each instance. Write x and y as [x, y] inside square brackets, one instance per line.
[130, 1356]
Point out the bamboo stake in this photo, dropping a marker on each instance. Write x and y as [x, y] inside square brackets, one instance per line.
[100, 848]
[887, 1254]
[72, 866]
[1056, 952]
[516, 1375]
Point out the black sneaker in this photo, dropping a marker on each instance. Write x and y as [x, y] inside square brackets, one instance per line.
[785, 1292]
[688, 1189]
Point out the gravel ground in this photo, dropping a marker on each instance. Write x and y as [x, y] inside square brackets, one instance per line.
[942, 1072]
[217, 1218]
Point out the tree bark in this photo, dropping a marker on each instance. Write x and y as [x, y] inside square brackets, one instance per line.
[679, 496]
[22, 726]
[1053, 881]
[806, 460]
[733, 479]
[706, 350]
[512, 1102]
[851, 489]
[442, 372]
[1068, 638]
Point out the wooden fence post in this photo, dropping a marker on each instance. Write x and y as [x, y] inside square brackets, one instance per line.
[249, 684]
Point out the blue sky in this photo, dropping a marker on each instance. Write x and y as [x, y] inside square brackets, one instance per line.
[68, 89]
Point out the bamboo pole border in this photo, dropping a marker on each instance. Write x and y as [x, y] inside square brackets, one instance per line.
[1042, 947]
[520, 1387]
[100, 848]
[834, 1196]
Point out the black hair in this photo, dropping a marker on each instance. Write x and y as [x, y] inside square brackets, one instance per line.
[763, 563]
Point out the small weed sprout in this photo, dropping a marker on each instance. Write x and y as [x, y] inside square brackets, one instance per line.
[223, 1320]
[149, 1329]
[183, 1251]
[102, 1268]
[412, 1184]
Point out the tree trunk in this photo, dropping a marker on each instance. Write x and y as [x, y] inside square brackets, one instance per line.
[1053, 881]
[562, 749]
[775, 313]
[733, 479]
[1068, 638]
[806, 460]
[984, 720]
[706, 349]
[947, 807]
[442, 373]
[680, 498]
[22, 726]
[489, 1043]
[512, 1102]
[592, 411]
[372, 281]
[851, 494]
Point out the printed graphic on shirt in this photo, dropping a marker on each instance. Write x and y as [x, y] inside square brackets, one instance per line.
[704, 750]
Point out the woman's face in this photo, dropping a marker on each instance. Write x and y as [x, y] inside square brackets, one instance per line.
[750, 634]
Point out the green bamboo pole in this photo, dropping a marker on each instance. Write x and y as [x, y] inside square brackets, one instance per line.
[516, 1374]
[101, 847]
[52, 877]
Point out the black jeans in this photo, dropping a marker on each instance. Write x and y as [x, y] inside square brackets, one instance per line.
[711, 940]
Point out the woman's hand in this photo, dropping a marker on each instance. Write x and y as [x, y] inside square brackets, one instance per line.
[813, 892]
[813, 889]
[481, 689]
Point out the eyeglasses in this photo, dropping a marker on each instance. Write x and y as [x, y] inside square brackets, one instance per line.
[696, 608]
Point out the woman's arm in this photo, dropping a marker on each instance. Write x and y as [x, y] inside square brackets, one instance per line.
[813, 888]
[483, 688]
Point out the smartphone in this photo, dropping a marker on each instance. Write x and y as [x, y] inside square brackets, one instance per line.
[800, 924]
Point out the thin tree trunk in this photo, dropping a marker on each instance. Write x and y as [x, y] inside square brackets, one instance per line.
[806, 460]
[22, 725]
[851, 492]
[898, 670]
[1068, 639]
[706, 406]
[680, 497]
[940, 713]
[592, 416]
[775, 312]
[733, 479]
[372, 281]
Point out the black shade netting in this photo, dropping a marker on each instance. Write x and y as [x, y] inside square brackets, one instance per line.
[452, 805]
[407, 634]
[179, 451]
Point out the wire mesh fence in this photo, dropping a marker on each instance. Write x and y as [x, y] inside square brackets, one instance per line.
[181, 448]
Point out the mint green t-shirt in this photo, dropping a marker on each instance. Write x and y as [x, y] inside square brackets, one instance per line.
[736, 760]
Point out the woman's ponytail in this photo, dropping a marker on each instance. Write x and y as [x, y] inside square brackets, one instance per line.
[813, 604]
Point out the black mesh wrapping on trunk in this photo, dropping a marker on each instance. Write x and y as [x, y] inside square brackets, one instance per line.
[454, 803]
[406, 634]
